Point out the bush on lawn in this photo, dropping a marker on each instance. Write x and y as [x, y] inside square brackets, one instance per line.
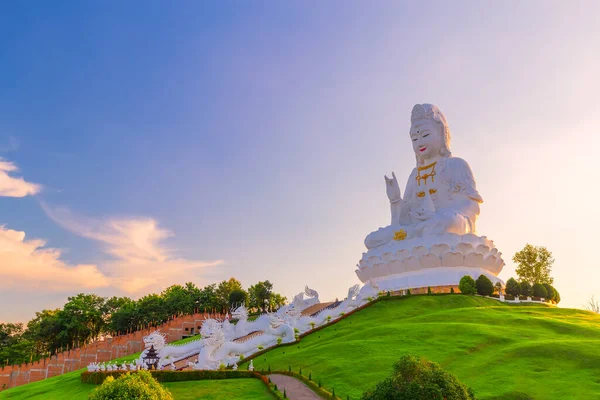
[413, 378]
[512, 287]
[485, 287]
[539, 290]
[467, 285]
[551, 291]
[137, 386]
[525, 288]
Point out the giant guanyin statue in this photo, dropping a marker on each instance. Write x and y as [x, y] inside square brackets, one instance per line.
[431, 240]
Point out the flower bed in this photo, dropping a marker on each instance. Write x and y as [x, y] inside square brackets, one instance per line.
[509, 297]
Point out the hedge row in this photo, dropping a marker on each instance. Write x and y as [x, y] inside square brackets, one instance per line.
[96, 378]
[324, 394]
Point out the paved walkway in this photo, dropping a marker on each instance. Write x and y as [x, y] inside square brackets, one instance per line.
[295, 389]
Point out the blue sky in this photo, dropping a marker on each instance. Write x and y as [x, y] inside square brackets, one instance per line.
[194, 141]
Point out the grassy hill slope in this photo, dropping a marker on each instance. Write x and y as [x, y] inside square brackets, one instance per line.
[503, 351]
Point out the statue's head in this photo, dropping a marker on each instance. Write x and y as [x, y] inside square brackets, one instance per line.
[429, 132]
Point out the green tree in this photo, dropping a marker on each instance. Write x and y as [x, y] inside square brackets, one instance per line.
[276, 301]
[484, 285]
[525, 288]
[224, 290]
[467, 285]
[413, 378]
[44, 330]
[237, 297]
[512, 287]
[551, 291]
[534, 264]
[539, 290]
[177, 300]
[260, 295]
[208, 298]
[14, 347]
[82, 318]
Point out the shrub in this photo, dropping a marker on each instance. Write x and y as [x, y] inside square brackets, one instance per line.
[140, 385]
[428, 289]
[279, 340]
[512, 287]
[557, 297]
[485, 287]
[525, 288]
[551, 291]
[414, 378]
[408, 292]
[452, 290]
[539, 290]
[467, 285]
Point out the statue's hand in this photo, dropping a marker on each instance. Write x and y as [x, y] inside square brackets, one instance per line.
[392, 188]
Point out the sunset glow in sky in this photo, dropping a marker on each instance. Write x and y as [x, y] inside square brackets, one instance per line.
[147, 145]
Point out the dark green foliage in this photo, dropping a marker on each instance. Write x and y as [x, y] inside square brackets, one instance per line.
[525, 288]
[289, 368]
[388, 294]
[275, 387]
[97, 378]
[539, 290]
[300, 372]
[485, 287]
[557, 297]
[319, 383]
[428, 289]
[269, 368]
[467, 285]
[310, 376]
[512, 287]
[333, 393]
[408, 292]
[138, 386]
[413, 378]
[284, 394]
[551, 291]
[452, 290]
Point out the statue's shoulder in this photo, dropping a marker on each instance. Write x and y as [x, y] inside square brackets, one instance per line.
[456, 164]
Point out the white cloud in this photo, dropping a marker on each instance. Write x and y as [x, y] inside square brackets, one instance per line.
[12, 186]
[27, 264]
[139, 262]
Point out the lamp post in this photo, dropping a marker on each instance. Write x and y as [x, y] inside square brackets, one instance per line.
[151, 358]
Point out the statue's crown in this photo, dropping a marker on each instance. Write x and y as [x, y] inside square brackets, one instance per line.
[422, 111]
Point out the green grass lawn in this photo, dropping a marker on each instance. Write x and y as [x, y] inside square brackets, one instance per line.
[226, 389]
[502, 351]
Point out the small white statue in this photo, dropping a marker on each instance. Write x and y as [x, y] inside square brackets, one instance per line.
[172, 366]
[251, 366]
[235, 366]
[124, 367]
[102, 367]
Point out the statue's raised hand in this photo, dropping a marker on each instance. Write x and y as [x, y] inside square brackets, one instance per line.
[392, 188]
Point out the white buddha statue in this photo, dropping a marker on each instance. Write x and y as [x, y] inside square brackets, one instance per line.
[439, 211]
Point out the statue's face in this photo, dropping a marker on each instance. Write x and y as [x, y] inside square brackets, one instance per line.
[426, 136]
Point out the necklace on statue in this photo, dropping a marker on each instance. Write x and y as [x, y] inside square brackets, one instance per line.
[424, 177]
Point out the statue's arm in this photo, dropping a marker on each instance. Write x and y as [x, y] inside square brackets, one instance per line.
[401, 209]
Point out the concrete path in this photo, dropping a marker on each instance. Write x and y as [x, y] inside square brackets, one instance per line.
[295, 389]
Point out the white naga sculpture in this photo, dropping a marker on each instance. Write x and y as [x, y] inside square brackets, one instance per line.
[431, 239]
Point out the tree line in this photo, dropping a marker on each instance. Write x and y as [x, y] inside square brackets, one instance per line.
[86, 317]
